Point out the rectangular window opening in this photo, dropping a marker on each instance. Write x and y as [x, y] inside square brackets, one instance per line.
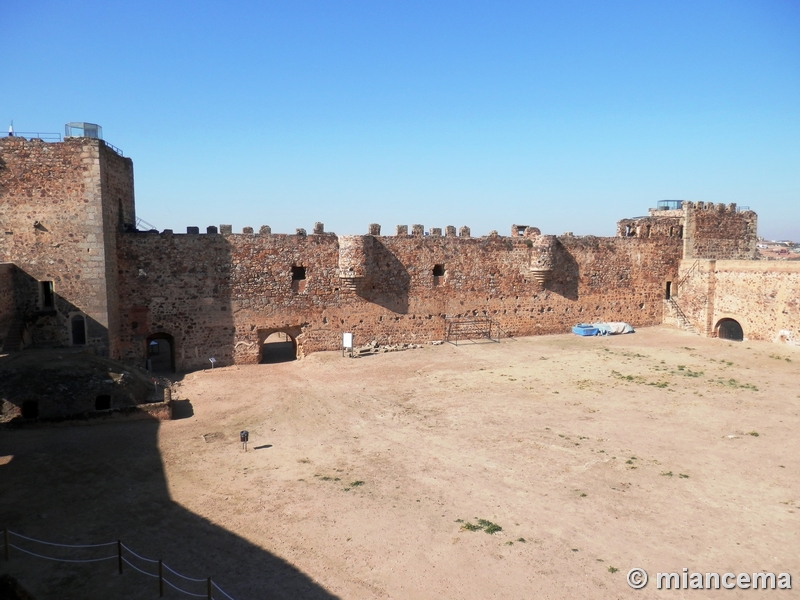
[438, 270]
[298, 273]
[48, 298]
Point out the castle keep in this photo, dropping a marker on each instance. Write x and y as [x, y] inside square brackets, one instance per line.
[75, 271]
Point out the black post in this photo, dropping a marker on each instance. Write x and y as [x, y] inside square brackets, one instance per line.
[160, 578]
[209, 589]
[119, 555]
[8, 545]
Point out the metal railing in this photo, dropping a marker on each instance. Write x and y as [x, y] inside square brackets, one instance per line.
[52, 137]
[471, 329]
[29, 135]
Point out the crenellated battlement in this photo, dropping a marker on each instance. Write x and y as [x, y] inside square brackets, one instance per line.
[66, 218]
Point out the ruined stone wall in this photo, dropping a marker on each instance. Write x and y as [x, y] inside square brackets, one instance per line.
[221, 295]
[763, 296]
[719, 232]
[56, 228]
[660, 224]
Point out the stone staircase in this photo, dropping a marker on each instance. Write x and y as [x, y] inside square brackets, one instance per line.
[680, 316]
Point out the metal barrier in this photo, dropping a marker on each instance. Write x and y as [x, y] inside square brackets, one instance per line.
[122, 555]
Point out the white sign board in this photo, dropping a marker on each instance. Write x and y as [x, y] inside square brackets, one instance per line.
[347, 340]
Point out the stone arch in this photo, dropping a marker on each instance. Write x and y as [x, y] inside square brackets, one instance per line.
[729, 329]
[160, 352]
[278, 345]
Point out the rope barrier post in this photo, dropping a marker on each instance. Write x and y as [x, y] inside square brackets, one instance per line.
[8, 545]
[160, 578]
[119, 555]
[209, 588]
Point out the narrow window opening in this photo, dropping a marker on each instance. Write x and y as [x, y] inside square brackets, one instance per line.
[298, 279]
[78, 330]
[668, 292]
[680, 231]
[647, 232]
[30, 409]
[48, 298]
[102, 402]
[438, 273]
[671, 231]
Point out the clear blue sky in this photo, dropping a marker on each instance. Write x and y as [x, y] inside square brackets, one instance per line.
[563, 115]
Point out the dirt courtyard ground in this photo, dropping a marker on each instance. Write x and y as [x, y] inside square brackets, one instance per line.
[660, 450]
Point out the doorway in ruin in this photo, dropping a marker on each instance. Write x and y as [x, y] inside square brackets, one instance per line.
[160, 353]
[278, 347]
[30, 409]
[730, 329]
[78, 330]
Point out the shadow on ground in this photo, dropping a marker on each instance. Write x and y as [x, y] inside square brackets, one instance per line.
[89, 484]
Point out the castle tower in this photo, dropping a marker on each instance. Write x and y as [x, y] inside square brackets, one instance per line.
[62, 206]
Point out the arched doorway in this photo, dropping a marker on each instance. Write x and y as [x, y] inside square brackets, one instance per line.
[278, 347]
[78, 330]
[161, 352]
[729, 329]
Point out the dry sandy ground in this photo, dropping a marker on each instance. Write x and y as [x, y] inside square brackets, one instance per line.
[658, 450]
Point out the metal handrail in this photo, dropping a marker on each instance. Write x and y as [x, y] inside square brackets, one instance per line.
[44, 136]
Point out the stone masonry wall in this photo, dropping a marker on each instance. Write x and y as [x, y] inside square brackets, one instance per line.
[763, 296]
[52, 220]
[119, 213]
[222, 295]
[718, 231]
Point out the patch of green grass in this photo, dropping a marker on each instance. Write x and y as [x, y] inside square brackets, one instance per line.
[736, 385]
[659, 384]
[489, 527]
[683, 476]
[509, 543]
[753, 433]
[612, 569]
[480, 525]
[667, 473]
[521, 540]
[357, 483]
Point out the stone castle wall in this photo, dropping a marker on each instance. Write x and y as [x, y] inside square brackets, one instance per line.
[719, 232]
[67, 216]
[58, 215]
[221, 295]
[762, 296]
